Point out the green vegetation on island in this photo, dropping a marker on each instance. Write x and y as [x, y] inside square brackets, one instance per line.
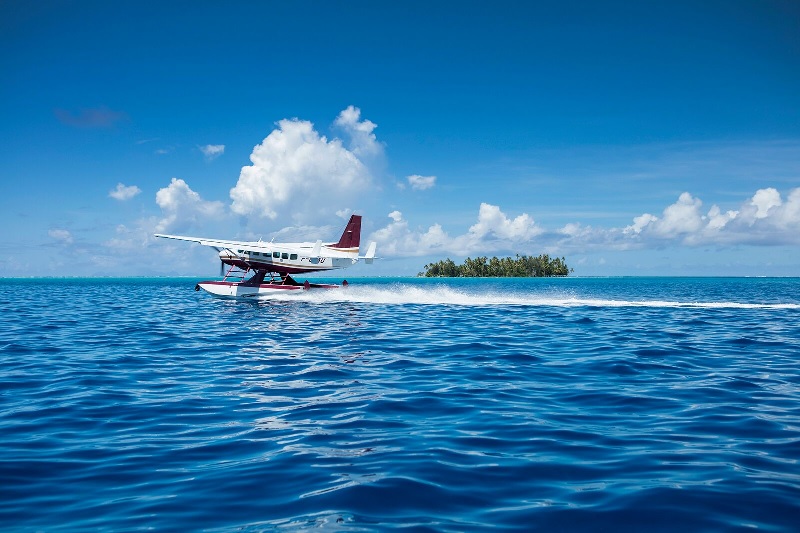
[482, 267]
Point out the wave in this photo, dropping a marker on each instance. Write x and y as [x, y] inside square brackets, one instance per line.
[402, 294]
[401, 404]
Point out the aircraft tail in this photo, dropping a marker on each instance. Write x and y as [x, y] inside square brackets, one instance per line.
[370, 257]
[351, 237]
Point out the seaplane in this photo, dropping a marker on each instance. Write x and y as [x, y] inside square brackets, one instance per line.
[270, 265]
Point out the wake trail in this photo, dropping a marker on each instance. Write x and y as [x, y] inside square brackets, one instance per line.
[410, 295]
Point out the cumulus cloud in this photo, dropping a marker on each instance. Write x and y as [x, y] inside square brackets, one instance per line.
[767, 218]
[764, 200]
[397, 239]
[299, 173]
[639, 223]
[682, 217]
[762, 219]
[788, 215]
[183, 207]
[123, 192]
[493, 232]
[61, 235]
[420, 183]
[363, 142]
[494, 223]
[212, 151]
[717, 219]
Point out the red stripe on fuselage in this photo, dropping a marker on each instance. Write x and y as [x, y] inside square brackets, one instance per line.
[279, 267]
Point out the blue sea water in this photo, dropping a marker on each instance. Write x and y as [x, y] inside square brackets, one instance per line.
[572, 404]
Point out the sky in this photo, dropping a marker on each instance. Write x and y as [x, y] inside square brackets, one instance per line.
[631, 138]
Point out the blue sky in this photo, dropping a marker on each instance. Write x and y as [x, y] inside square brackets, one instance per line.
[633, 138]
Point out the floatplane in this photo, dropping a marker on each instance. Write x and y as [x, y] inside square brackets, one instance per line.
[270, 265]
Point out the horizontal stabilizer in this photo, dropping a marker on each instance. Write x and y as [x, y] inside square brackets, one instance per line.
[371, 253]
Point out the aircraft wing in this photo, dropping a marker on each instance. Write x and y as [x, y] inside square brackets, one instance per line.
[214, 243]
[220, 244]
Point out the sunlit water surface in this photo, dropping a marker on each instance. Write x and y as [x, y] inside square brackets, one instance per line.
[621, 404]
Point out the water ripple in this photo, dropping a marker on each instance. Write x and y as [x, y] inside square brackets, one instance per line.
[620, 404]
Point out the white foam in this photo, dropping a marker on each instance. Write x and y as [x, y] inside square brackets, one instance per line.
[404, 294]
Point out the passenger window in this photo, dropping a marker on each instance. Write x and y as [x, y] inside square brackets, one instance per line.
[276, 255]
[293, 257]
[284, 255]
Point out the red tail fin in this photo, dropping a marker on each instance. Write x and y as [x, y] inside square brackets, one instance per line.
[351, 237]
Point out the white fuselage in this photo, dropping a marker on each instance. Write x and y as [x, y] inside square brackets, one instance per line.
[288, 257]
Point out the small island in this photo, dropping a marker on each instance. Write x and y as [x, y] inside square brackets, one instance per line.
[482, 267]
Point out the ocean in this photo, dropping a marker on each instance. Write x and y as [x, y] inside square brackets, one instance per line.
[570, 404]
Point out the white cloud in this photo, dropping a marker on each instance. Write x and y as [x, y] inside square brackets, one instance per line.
[717, 219]
[762, 219]
[61, 235]
[493, 223]
[123, 192]
[639, 223]
[493, 232]
[183, 207]
[788, 215]
[298, 173]
[420, 183]
[764, 200]
[397, 239]
[682, 217]
[363, 142]
[212, 151]
[767, 219]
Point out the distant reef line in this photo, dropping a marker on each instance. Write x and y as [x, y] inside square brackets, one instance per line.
[524, 266]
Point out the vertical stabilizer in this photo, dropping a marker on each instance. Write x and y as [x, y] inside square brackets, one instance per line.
[351, 238]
